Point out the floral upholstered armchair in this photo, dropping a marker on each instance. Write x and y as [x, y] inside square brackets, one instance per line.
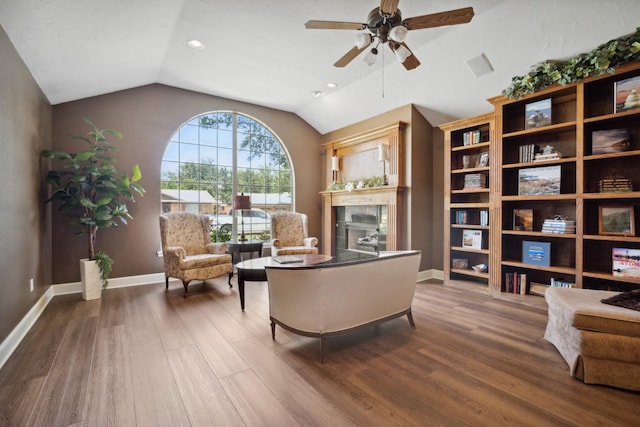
[187, 250]
[289, 234]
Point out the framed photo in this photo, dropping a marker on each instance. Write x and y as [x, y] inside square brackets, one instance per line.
[536, 181]
[537, 114]
[610, 141]
[616, 220]
[627, 94]
[483, 159]
[626, 262]
[460, 263]
[523, 219]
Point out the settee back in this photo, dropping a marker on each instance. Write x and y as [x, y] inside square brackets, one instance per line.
[336, 297]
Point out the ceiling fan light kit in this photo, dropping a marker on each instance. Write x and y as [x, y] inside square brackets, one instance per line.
[385, 24]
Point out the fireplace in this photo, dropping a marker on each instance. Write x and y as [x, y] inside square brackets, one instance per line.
[360, 231]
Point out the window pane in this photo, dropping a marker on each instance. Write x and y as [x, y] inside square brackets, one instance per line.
[188, 153]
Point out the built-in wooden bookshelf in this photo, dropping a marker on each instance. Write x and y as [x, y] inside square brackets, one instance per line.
[467, 194]
[578, 113]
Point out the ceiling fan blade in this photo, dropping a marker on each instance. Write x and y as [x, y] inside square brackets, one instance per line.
[389, 7]
[452, 17]
[349, 56]
[411, 62]
[334, 25]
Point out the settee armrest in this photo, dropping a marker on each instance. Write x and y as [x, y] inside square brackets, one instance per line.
[310, 242]
[276, 243]
[175, 252]
[217, 248]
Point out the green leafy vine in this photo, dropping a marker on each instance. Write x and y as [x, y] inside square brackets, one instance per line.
[604, 59]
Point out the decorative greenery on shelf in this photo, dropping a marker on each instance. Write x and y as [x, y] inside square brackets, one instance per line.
[604, 59]
[372, 182]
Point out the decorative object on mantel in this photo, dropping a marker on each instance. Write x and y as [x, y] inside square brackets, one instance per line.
[372, 182]
[383, 156]
[335, 167]
[604, 59]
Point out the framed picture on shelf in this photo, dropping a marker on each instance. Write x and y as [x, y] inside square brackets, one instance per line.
[537, 114]
[472, 239]
[523, 219]
[616, 220]
[626, 262]
[537, 181]
[627, 94]
[460, 263]
[610, 141]
[483, 159]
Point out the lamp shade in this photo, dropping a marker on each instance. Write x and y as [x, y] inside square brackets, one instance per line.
[402, 53]
[335, 163]
[398, 33]
[242, 202]
[363, 40]
[382, 153]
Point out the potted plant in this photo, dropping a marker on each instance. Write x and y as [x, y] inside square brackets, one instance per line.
[94, 194]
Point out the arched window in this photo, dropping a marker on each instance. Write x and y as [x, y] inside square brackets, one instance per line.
[217, 156]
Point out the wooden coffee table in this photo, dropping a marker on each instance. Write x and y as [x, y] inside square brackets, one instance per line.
[253, 270]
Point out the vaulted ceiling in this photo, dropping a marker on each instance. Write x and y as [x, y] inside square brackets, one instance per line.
[259, 51]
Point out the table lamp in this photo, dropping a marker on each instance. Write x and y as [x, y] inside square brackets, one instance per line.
[242, 203]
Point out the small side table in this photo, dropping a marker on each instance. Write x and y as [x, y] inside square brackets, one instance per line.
[236, 248]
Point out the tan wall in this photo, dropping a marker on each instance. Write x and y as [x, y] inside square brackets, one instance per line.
[25, 229]
[419, 228]
[147, 117]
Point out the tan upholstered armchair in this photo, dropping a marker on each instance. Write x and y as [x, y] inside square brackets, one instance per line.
[187, 250]
[289, 234]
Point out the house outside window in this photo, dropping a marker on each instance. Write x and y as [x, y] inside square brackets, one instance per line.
[218, 155]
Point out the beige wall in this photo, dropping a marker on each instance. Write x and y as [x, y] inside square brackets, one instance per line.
[25, 229]
[421, 229]
[147, 117]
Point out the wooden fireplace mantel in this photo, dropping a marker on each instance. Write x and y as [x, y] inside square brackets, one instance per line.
[389, 196]
[360, 146]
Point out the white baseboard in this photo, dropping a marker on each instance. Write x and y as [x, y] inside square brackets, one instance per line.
[9, 345]
[430, 274]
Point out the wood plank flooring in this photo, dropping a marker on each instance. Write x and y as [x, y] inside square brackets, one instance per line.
[144, 357]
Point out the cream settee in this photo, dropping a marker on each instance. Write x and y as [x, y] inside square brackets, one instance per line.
[333, 299]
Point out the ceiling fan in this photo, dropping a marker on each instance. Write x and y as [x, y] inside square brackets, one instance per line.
[385, 25]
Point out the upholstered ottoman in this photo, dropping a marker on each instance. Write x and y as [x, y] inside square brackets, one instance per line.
[600, 342]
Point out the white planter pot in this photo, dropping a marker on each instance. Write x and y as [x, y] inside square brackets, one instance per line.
[91, 281]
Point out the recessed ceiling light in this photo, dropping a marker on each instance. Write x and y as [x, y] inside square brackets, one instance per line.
[332, 85]
[316, 93]
[195, 44]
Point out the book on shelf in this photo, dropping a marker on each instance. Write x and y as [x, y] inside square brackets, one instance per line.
[484, 217]
[473, 181]
[462, 217]
[559, 225]
[537, 288]
[560, 282]
[541, 157]
[614, 185]
[472, 239]
[472, 137]
[626, 262]
[528, 152]
[515, 283]
[536, 253]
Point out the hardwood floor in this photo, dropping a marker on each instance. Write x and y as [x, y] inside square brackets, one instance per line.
[143, 357]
